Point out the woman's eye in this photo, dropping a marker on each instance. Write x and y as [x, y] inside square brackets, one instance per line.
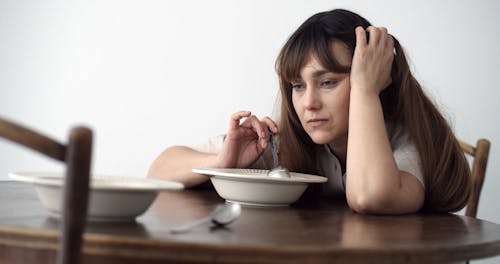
[297, 86]
[328, 83]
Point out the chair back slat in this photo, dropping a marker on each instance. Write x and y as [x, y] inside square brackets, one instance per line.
[480, 154]
[32, 140]
[75, 194]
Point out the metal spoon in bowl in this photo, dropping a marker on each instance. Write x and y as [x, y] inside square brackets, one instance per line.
[222, 215]
[278, 171]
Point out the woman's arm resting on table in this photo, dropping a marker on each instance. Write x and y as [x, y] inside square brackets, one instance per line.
[374, 183]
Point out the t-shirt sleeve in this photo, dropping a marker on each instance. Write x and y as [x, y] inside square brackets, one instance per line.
[213, 145]
[407, 159]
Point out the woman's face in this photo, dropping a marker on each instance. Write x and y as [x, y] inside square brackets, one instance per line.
[321, 99]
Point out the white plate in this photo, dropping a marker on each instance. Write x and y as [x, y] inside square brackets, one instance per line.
[111, 198]
[254, 188]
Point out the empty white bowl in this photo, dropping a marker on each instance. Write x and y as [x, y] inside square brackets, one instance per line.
[111, 198]
[250, 187]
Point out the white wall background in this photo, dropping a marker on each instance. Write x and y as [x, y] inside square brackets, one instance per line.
[149, 74]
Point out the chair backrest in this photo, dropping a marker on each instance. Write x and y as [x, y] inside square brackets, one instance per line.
[479, 153]
[76, 154]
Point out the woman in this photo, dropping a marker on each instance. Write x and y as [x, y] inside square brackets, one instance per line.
[351, 111]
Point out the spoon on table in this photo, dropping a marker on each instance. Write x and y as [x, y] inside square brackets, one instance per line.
[278, 171]
[222, 215]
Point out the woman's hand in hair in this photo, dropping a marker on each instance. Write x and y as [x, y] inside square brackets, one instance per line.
[245, 141]
[372, 60]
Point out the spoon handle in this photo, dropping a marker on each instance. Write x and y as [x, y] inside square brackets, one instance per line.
[274, 150]
[187, 227]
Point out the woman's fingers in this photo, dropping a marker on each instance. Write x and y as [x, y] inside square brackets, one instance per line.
[360, 37]
[380, 39]
[261, 127]
[270, 124]
[390, 43]
[252, 122]
[378, 36]
[374, 36]
[386, 40]
[372, 61]
[252, 126]
[236, 117]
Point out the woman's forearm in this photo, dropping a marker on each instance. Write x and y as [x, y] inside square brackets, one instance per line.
[374, 182]
[176, 163]
[370, 164]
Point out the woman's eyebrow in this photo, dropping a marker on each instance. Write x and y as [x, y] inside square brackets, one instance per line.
[319, 73]
[316, 74]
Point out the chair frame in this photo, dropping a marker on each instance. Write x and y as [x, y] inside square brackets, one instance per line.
[76, 154]
[479, 153]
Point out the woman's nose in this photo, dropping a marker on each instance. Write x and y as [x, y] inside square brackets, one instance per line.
[311, 99]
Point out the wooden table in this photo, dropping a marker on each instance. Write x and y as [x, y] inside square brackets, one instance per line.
[311, 231]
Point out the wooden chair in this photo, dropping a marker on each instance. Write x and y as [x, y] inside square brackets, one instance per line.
[480, 153]
[76, 154]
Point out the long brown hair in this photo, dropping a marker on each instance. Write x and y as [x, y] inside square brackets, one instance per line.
[445, 169]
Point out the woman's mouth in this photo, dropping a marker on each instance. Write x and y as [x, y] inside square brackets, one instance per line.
[317, 122]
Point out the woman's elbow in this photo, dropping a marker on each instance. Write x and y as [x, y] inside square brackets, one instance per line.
[401, 196]
[370, 198]
[364, 203]
[384, 203]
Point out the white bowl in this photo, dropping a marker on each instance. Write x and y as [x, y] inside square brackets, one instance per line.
[111, 198]
[250, 187]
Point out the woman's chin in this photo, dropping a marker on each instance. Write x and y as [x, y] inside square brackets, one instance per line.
[321, 138]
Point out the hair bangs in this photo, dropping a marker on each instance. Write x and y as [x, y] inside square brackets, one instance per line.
[312, 42]
[326, 57]
[295, 56]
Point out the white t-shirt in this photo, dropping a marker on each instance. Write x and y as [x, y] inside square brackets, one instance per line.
[404, 151]
[405, 155]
